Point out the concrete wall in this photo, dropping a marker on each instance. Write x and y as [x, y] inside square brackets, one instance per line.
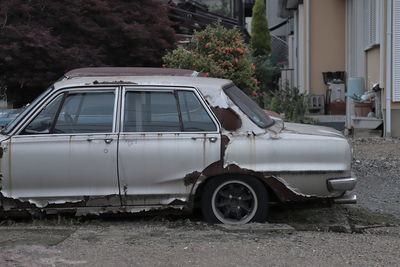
[327, 40]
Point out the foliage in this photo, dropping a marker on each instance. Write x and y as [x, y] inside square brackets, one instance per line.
[260, 36]
[40, 40]
[221, 8]
[290, 102]
[217, 52]
[267, 74]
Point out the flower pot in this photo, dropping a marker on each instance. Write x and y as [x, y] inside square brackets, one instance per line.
[361, 109]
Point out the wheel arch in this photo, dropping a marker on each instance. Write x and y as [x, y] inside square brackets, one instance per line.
[198, 191]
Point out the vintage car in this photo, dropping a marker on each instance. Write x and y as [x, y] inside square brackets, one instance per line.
[107, 140]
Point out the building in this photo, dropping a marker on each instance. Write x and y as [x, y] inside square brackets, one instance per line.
[358, 37]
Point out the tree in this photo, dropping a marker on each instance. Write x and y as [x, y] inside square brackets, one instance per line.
[40, 40]
[260, 37]
[217, 52]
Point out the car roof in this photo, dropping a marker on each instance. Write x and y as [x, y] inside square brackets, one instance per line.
[138, 76]
[129, 71]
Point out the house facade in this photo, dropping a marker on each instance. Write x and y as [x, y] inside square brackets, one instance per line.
[358, 37]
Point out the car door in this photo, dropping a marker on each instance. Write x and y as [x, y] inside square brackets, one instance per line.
[166, 134]
[67, 151]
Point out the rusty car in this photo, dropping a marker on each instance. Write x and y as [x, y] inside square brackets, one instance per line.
[110, 140]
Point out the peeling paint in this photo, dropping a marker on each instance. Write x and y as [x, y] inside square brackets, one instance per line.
[191, 178]
[228, 118]
[113, 82]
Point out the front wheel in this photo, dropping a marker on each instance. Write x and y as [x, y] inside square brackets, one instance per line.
[234, 200]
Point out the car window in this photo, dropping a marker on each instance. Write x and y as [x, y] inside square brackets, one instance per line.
[194, 117]
[26, 110]
[151, 112]
[249, 107]
[44, 120]
[86, 113]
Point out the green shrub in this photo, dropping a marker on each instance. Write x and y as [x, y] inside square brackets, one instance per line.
[260, 37]
[290, 102]
[267, 74]
[217, 52]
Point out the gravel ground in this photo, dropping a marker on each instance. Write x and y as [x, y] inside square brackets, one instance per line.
[377, 165]
[366, 234]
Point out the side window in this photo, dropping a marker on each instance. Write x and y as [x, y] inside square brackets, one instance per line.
[86, 113]
[43, 122]
[194, 117]
[151, 112]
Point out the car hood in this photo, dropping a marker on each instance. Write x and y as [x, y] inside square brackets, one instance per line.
[310, 130]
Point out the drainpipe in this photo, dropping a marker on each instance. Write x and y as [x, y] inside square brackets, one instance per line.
[308, 44]
[381, 53]
[389, 25]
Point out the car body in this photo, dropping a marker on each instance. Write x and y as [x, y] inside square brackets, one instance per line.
[131, 139]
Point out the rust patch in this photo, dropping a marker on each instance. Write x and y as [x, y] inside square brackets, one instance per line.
[228, 118]
[191, 178]
[177, 202]
[282, 192]
[125, 190]
[211, 169]
[11, 204]
[113, 82]
[224, 145]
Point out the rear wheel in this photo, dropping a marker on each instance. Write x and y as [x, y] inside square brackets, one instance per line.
[234, 200]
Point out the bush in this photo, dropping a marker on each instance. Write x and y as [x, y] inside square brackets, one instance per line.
[260, 36]
[41, 40]
[267, 74]
[289, 102]
[217, 52]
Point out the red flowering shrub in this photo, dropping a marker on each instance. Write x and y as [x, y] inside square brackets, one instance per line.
[217, 52]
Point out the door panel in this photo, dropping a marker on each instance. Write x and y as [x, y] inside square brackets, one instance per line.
[156, 164]
[155, 151]
[73, 158]
[39, 166]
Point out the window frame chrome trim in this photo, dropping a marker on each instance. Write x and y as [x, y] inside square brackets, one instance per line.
[172, 90]
[32, 115]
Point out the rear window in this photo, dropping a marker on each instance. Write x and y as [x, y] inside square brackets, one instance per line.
[249, 107]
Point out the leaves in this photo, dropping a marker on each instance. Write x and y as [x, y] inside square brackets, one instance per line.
[289, 102]
[40, 40]
[221, 53]
[260, 36]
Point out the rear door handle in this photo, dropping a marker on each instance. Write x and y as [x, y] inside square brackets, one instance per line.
[106, 140]
[212, 139]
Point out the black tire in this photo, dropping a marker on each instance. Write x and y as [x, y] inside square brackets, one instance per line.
[221, 196]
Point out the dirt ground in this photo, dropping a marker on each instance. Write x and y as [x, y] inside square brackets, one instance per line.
[367, 233]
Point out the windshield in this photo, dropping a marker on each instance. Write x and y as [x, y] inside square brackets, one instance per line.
[249, 107]
[27, 108]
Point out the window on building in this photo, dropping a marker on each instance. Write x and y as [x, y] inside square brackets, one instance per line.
[372, 19]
